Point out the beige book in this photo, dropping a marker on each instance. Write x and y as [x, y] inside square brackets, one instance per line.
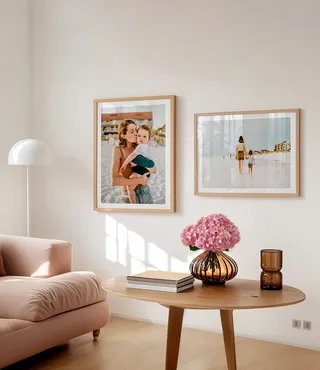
[161, 277]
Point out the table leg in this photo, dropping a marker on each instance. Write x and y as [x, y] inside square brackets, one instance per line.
[173, 337]
[228, 336]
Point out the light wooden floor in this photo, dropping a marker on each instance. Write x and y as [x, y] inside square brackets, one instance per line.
[126, 344]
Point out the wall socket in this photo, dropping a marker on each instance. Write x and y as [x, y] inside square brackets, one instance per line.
[306, 325]
[296, 324]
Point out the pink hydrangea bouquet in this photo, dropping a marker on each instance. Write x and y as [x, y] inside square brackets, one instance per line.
[214, 233]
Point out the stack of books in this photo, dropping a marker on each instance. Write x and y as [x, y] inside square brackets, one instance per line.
[163, 281]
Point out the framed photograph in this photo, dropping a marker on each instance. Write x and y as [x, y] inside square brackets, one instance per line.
[254, 153]
[134, 154]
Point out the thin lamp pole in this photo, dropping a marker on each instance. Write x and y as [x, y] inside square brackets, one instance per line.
[28, 203]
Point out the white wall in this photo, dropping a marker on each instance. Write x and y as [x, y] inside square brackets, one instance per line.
[215, 56]
[14, 110]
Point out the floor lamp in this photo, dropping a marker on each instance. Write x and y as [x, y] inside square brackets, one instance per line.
[29, 152]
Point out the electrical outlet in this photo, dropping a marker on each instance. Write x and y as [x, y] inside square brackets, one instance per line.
[306, 325]
[296, 324]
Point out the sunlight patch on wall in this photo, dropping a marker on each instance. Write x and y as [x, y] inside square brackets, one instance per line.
[157, 257]
[111, 249]
[130, 249]
[122, 244]
[111, 227]
[137, 247]
[178, 265]
[136, 266]
[111, 239]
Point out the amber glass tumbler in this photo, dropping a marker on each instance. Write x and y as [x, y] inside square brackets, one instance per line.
[271, 265]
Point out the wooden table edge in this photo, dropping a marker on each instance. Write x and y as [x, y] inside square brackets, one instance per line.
[167, 303]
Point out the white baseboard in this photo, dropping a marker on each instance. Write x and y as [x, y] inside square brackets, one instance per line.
[264, 339]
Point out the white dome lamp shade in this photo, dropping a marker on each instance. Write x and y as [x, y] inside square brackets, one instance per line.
[30, 152]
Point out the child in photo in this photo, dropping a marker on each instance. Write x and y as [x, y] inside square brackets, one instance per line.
[142, 150]
[251, 162]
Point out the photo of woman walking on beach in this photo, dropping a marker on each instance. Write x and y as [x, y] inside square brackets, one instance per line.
[127, 135]
[247, 153]
[241, 152]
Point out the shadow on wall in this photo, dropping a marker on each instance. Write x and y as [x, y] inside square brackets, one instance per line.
[130, 250]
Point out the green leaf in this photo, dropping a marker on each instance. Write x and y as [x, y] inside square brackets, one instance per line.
[193, 248]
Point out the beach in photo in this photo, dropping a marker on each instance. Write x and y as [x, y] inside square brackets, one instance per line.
[269, 139]
[111, 194]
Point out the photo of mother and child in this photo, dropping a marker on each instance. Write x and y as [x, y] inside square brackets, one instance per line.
[131, 165]
[134, 154]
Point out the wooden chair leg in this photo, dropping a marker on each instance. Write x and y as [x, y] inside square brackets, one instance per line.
[96, 333]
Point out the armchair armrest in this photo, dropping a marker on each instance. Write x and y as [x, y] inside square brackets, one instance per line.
[26, 256]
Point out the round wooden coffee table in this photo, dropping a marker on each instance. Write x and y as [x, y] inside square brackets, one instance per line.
[237, 294]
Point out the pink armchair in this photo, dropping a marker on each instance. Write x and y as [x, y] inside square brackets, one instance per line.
[43, 303]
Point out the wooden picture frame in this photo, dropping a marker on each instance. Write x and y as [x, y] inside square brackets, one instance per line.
[273, 136]
[154, 120]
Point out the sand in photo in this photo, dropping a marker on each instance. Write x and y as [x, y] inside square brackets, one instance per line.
[111, 194]
[269, 140]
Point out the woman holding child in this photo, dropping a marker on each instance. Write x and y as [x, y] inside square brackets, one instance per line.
[133, 178]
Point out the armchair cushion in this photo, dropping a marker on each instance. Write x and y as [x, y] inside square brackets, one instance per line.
[2, 270]
[37, 299]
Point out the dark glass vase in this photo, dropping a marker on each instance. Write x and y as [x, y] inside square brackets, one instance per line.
[271, 265]
[214, 268]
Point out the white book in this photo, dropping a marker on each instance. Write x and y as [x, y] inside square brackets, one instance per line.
[163, 284]
[159, 288]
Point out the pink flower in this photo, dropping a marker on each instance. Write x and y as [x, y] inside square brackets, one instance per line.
[189, 235]
[214, 232]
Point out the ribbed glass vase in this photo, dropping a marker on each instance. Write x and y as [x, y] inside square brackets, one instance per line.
[213, 268]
